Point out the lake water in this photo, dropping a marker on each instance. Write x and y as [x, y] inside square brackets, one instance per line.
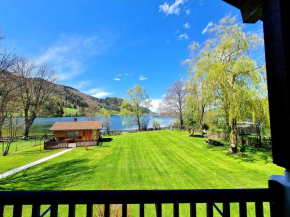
[42, 125]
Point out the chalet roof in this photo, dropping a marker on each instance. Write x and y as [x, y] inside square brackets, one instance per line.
[82, 125]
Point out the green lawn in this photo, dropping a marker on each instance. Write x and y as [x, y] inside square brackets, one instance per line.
[69, 111]
[148, 160]
[23, 152]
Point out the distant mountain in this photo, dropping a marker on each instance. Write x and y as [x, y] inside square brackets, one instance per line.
[68, 97]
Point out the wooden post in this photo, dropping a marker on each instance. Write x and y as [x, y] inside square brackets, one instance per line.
[277, 49]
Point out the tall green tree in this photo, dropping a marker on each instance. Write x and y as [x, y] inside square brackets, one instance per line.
[134, 106]
[106, 117]
[229, 73]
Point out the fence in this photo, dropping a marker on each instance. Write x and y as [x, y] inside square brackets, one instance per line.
[117, 132]
[141, 197]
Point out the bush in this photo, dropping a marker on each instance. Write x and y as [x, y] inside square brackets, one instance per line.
[205, 126]
[156, 123]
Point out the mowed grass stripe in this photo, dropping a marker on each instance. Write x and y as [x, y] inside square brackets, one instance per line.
[146, 160]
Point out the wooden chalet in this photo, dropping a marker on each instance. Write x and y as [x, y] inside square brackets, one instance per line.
[74, 134]
[275, 17]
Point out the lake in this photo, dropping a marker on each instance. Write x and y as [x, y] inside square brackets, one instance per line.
[42, 125]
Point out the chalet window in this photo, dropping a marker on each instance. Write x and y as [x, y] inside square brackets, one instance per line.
[84, 133]
[72, 134]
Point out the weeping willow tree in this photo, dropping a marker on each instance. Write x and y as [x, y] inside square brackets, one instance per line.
[229, 74]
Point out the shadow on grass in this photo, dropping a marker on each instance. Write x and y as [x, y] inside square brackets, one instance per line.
[51, 177]
[103, 142]
[106, 140]
[245, 154]
[198, 136]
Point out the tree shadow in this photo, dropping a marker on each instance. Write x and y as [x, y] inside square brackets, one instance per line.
[106, 140]
[197, 136]
[53, 176]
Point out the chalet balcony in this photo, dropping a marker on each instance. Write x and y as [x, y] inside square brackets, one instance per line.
[68, 143]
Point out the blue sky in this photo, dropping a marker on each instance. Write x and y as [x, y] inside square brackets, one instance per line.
[105, 47]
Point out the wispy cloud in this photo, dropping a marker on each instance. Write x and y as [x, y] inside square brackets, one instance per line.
[171, 9]
[205, 30]
[188, 11]
[69, 54]
[183, 36]
[117, 79]
[155, 104]
[101, 94]
[167, 41]
[186, 26]
[142, 78]
[81, 84]
[201, 2]
[98, 93]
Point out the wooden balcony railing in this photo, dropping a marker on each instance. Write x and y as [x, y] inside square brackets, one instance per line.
[141, 197]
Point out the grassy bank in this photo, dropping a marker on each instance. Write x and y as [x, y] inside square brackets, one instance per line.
[147, 160]
[23, 152]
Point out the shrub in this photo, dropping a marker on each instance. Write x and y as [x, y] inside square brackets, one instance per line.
[205, 126]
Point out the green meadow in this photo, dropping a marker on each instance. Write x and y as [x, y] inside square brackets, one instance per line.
[148, 160]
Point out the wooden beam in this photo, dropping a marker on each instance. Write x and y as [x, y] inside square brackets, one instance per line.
[277, 47]
[251, 10]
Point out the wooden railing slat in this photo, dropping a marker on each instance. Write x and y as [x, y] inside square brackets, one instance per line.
[89, 210]
[35, 210]
[107, 210]
[141, 210]
[1, 210]
[71, 210]
[259, 209]
[124, 210]
[176, 209]
[243, 209]
[192, 209]
[226, 209]
[209, 209]
[17, 210]
[158, 209]
[54, 210]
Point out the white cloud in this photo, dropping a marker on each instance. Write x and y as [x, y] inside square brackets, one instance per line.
[183, 36]
[201, 2]
[101, 94]
[163, 95]
[155, 104]
[187, 11]
[186, 26]
[142, 78]
[98, 93]
[177, 31]
[207, 27]
[167, 41]
[69, 54]
[81, 84]
[117, 79]
[171, 9]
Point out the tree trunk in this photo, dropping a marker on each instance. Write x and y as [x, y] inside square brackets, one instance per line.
[181, 121]
[138, 123]
[234, 132]
[1, 125]
[201, 116]
[258, 131]
[27, 124]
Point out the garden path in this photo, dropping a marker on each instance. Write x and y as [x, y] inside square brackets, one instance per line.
[10, 172]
